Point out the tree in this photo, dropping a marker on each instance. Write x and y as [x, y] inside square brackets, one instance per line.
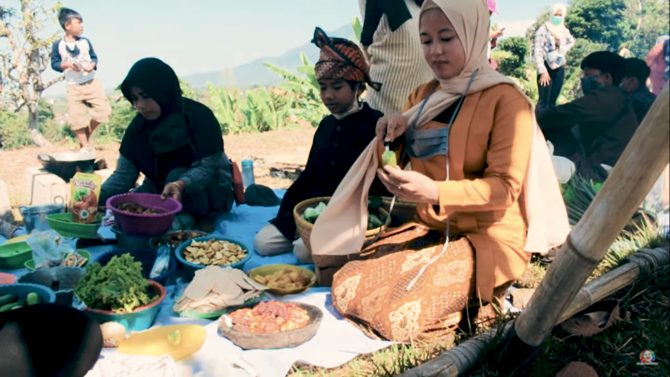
[649, 19]
[600, 21]
[634, 24]
[513, 61]
[27, 58]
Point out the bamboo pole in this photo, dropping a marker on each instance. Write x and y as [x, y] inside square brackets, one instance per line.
[634, 175]
[460, 359]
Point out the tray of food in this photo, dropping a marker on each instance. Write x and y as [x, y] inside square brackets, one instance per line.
[198, 253]
[78, 258]
[284, 279]
[271, 325]
[214, 291]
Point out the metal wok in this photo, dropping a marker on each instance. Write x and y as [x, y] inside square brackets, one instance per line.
[65, 165]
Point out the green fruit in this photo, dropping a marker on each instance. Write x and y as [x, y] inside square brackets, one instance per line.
[13, 305]
[33, 299]
[389, 158]
[6, 299]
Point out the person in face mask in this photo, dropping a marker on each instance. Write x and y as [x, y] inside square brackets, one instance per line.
[635, 77]
[553, 41]
[342, 73]
[603, 119]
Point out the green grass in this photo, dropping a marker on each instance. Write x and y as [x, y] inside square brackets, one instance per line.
[645, 324]
[388, 362]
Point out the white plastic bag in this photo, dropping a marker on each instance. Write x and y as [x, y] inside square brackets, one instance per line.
[162, 262]
[48, 248]
[564, 167]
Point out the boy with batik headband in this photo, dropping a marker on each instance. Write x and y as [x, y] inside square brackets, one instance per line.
[74, 56]
[342, 73]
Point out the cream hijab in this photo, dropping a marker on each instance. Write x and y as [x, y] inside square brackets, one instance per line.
[340, 229]
[557, 30]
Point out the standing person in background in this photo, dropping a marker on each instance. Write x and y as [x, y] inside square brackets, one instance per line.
[552, 43]
[74, 55]
[494, 34]
[391, 44]
[657, 60]
[635, 76]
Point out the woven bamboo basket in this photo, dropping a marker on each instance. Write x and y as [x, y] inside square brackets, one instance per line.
[403, 211]
[326, 266]
[305, 227]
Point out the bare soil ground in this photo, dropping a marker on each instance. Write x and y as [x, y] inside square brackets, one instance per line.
[268, 150]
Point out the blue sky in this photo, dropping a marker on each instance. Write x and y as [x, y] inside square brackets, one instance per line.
[210, 35]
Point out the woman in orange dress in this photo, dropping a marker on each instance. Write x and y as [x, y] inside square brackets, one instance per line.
[478, 160]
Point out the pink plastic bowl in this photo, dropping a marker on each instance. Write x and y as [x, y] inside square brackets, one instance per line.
[144, 225]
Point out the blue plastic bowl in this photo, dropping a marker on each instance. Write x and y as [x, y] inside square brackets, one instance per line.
[138, 320]
[191, 268]
[47, 296]
[145, 256]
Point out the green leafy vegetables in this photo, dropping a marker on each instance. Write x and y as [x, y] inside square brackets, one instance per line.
[118, 286]
[375, 217]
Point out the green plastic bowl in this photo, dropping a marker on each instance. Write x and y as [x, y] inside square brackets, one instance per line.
[62, 223]
[216, 314]
[30, 263]
[14, 255]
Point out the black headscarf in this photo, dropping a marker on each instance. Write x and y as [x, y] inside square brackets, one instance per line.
[158, 80]
[186, 131]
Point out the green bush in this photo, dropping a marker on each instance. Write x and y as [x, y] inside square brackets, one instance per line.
[14, 130]
[112, 131]
[513, 63]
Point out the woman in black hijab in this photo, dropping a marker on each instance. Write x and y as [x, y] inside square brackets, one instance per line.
[175, 142]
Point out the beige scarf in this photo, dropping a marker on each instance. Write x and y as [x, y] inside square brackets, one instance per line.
[340, 229]
[558, 31]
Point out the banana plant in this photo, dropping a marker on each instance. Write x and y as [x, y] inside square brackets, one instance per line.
[307, 104]
[224, 103]
[358, 29]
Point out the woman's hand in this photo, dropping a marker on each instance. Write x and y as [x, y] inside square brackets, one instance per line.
[173, 190]
[545, 80]
[389, 127]
[495, 34]
[409, 185]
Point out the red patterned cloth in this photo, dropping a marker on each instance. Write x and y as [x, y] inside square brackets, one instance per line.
[341, 59]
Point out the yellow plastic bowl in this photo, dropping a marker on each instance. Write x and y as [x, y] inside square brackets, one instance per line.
[272, 268]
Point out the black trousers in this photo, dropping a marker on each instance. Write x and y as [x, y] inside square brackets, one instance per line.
[48, 340]
[549, 94]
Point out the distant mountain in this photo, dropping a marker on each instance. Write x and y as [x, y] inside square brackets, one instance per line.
[255, 73]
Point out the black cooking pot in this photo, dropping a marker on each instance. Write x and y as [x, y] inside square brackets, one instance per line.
[65, 165]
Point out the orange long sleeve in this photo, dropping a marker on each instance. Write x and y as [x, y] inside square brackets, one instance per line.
[506, 164]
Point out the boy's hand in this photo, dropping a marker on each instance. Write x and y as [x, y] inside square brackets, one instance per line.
[89, 67]
[72, 66]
